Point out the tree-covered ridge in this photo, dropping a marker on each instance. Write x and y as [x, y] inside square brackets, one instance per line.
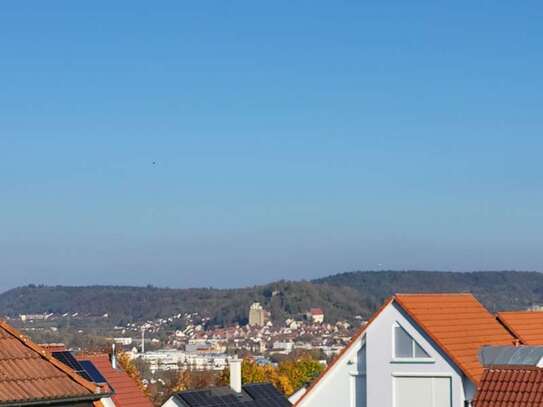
[497, 290]
[128, 304]
[342, 296]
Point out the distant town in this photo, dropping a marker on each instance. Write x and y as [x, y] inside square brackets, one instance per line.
[198, 347]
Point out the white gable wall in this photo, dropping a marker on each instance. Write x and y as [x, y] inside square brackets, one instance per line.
[364, 375]
[336, 388]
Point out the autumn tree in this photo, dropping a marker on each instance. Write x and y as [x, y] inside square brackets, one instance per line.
[132, 370]
[287, 377]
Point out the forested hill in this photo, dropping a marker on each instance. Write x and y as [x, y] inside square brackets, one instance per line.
[342, 296]
[497, 290]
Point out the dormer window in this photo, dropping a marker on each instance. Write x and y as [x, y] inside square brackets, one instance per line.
[405, 347]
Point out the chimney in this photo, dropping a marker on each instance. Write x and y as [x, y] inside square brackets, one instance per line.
[113, 357]
[235, 374]
[142, 339]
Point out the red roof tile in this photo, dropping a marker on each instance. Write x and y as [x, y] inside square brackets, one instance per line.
[53, 347]
[316, 311]
[510, 386]
[28, 373]
[127, 392]
[526, 325]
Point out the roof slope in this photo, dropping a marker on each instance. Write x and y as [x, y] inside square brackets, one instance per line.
[459, 324]
[526, 325]
[30, 374]
[510, 387]
[127, 393]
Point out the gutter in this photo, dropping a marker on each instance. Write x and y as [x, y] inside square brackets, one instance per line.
[91, 397]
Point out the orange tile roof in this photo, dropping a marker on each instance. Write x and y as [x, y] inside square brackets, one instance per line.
[53, 347]
[510, 387]
[526, 325]
[459, 324]
[127, 393]
[28, 373]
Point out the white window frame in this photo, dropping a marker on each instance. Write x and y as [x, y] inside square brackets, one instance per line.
[413, 359]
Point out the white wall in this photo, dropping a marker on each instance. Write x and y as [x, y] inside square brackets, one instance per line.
[171, 402]
[363, 376]
[335, 388]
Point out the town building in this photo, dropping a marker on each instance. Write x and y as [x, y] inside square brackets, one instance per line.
[316, 315]
[257, 315]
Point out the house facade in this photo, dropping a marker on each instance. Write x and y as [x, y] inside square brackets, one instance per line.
[417, 351]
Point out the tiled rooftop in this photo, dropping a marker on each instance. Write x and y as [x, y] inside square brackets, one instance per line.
[527, 325]
[510, 387]
[29, 373]
[127, 392]
[459, 324]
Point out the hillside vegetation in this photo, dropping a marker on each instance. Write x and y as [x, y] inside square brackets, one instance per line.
[342, 296]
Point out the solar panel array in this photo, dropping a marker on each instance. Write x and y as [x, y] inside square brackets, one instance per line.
[266, 395]
[68, 359]
[253, 395]
[219, 397]
[92, 372]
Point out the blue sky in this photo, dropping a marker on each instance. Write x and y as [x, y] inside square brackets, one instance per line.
[290, 139]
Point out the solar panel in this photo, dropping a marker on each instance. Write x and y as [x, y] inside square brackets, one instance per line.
[92, 371]
[68, 359]
[216, 397]
[266, 395]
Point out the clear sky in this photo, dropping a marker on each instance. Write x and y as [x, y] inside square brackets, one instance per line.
[227, 143]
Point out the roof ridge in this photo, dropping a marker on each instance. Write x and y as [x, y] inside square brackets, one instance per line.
[527, 312]
[513, 367]
[26, 341]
